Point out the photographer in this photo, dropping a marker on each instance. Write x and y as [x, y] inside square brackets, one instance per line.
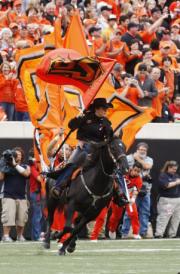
[131, 89]
[143, 199]
[14, 203]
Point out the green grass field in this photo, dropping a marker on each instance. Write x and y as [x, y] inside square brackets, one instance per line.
[103, 257]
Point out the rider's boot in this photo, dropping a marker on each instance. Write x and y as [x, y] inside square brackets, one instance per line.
[61, 183]
[119, 197]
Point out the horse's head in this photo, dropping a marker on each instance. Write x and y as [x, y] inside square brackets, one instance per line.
[117, 151]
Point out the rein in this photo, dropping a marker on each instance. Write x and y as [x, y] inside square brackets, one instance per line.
[94, 196]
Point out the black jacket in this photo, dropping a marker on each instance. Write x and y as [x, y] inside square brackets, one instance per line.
[91, 128]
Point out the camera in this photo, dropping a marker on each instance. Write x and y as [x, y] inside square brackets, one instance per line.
[147, 178]
[31, 161]
[8, 156]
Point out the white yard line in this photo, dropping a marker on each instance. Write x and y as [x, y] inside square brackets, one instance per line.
[122, 250]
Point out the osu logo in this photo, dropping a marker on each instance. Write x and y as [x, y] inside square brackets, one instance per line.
[85, 69]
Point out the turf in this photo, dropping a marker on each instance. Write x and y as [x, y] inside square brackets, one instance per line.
[103, 257]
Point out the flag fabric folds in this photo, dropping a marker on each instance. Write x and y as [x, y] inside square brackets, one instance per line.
[75, 36]
[127, 118]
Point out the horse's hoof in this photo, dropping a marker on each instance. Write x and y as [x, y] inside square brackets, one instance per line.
[71, 249]
[46, 245]
[62, 252]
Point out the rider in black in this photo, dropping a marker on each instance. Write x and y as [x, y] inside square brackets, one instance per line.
[92, 126]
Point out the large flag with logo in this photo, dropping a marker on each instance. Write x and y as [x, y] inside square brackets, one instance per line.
[68, 67]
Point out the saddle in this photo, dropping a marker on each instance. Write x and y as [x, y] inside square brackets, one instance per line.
[62, 194]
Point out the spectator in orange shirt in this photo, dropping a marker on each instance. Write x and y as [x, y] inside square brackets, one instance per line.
[131, 89]
[101, 45]
[175, 34]
[118, 49]
[34, 34]
[166, 39]
[16, 14]
[165, 49]
[157, 101]
[21, 108]
[123, 23]
[8, 86]
[15, 30]
[167, 75]
[134, 56]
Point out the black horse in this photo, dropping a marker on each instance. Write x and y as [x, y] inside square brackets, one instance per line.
[90, 191]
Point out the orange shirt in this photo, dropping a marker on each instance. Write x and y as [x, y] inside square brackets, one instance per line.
[147, 37]
[97, 43]
[170, 82]
[20, 100]
[7, 89]
[121, 57]
[132, 94]
[157, 101]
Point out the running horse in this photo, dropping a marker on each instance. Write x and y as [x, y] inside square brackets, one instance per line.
[92, 189]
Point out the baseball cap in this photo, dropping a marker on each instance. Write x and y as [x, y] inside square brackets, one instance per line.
[92, 29]
[175, 25]
[106, 7]
[112, 17]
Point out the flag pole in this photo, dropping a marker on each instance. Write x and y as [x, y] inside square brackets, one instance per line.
[63, 142]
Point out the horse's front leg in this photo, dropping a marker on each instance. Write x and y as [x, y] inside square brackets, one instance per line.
[69, 212]
[71, 241]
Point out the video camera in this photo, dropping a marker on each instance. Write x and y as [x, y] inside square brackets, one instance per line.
[8, 156]
[6, 160]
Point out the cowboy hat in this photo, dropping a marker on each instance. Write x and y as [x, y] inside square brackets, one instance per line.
[100, 102]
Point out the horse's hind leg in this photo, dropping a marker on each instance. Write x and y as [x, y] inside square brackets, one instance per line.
[52, 204]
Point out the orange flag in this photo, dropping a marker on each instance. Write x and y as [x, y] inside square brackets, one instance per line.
[53, 40]
[128, 117]
[57, 33]
[75, 36]
[107, 65]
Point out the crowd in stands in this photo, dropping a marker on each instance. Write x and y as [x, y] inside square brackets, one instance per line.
[142, 36]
